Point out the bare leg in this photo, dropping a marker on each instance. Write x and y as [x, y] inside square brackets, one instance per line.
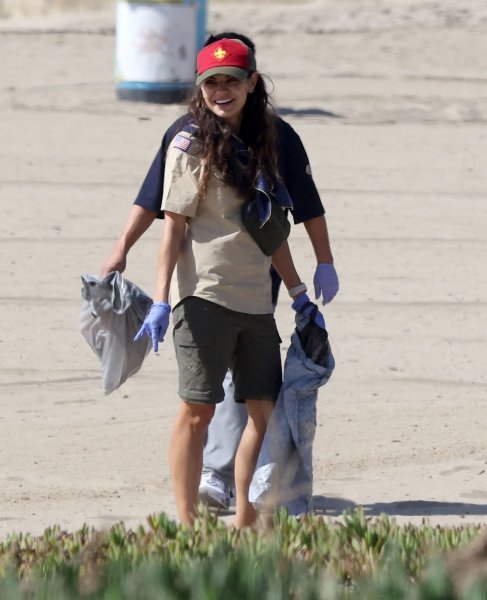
[224, 435]
[259, 412]
[186, 455]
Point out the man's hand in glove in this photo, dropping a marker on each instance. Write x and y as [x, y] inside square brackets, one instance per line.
[326, 282]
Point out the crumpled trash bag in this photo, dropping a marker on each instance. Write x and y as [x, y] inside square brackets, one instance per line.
[284, 471]
[112, 311]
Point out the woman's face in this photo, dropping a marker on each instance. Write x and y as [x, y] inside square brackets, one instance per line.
[225, 96]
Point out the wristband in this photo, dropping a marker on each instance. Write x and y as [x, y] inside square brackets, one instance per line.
[297, 289]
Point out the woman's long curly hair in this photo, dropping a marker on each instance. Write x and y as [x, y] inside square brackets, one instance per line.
[257, 131]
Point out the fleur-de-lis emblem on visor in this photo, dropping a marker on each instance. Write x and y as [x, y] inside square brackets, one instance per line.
[220, 53]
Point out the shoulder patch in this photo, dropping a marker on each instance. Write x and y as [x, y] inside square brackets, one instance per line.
[182, 142]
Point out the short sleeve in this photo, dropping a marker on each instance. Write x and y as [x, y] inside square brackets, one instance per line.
[180, 183]
[150, 193]
[296, 172]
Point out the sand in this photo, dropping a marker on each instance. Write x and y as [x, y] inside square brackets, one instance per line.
[390, 99]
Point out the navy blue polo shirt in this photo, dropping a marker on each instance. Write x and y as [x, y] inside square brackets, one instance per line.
[293, 167]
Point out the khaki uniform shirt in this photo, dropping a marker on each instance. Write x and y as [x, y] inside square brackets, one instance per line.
[219, 261]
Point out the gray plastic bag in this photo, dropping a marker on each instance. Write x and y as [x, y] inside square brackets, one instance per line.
[112, 312]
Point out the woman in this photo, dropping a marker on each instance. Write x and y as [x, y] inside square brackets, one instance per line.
[223, 315]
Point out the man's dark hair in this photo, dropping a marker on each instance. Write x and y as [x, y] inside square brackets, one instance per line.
[231, 35]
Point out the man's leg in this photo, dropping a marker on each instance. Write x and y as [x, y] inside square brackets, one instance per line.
[224, 435]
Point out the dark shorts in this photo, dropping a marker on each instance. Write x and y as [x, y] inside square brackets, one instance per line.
[209, 339]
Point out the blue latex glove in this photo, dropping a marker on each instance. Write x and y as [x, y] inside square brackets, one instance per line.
[303, 305]
[325, 282]
[155, 324]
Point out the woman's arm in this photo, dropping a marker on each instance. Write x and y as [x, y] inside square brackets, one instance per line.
[284, 265]
[156, 321]
[172, 239]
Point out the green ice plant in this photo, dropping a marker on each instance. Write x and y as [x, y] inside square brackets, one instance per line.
[310, 557]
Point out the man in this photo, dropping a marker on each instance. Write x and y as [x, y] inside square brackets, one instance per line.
[229, 421]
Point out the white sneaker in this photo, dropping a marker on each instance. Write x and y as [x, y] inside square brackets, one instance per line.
[213, 492]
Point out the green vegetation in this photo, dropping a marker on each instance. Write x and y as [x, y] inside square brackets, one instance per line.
[307, 559]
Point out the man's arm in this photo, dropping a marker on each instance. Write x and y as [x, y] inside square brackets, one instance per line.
[147, 205]
[325, 279]
[308, 209]
[317, 230]
[137, 223]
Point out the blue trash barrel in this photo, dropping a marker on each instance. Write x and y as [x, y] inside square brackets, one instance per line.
[156, 46]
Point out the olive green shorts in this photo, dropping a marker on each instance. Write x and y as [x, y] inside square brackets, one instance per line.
[210, 339]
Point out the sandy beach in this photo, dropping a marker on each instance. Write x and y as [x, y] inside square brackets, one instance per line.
[390, 99]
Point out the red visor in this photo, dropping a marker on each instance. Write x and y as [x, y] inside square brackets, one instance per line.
[225, 57]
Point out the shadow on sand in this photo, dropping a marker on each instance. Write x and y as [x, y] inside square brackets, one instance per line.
[334, 507]
[285, 111]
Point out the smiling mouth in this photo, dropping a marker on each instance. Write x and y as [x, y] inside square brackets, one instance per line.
[223, 102]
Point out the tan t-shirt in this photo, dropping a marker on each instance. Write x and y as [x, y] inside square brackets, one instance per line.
[219, 261]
